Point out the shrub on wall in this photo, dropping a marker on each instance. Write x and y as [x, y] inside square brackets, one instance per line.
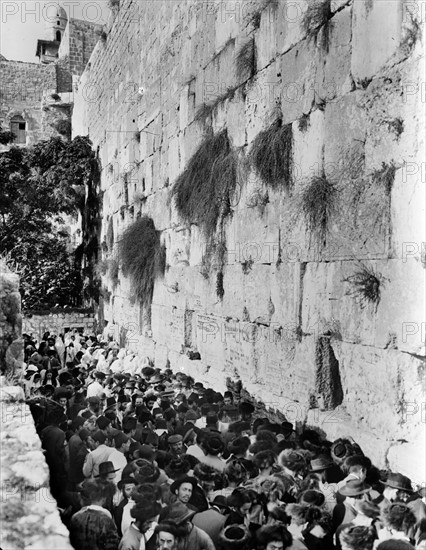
[271, 155]
[245, 60]
[365, 286]
[317, 205]
[202, 193]
[142, 257]
[317, 17]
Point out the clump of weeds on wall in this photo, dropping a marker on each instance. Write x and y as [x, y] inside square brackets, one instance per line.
[245, 61]
[208, 183]
[365, 286]
[316, 22]
[110, 234]
[303, 123]
[412, 34]
[255, 16]
[385, 176]
[317, 204]
[142, 257]
[206, 110]
[113, 269]
[396, 126]
[271, 155]
[220, 291]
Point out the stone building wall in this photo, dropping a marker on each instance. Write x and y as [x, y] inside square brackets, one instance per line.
[57, 321]
[79, 39]
[21, 91]
[289, 324]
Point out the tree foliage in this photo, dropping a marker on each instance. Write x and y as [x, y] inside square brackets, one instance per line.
[40, 185]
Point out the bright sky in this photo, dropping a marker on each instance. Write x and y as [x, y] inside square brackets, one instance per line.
[22, 22]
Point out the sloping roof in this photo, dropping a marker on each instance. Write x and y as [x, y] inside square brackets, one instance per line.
[2, 57]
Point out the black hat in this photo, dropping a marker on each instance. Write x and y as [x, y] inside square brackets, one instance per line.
[186, 479]
[106, 468]
[214, 444]
[126, 481]
[399, 481]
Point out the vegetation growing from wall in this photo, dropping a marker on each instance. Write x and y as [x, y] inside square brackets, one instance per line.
[203, 192]
[365, 285]
[316, 20]
[317, 204]
[245, 60]
[142, 258]
[38, 185]
[271, 155]
[206, 110]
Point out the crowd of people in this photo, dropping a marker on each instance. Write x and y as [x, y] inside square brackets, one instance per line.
[142, 459]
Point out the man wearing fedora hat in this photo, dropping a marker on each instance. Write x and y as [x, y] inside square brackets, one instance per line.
[398, 488]
[141, 530]
[194, 537]
[213, 446]
[354, 492]
[183, 488]
[107, 472]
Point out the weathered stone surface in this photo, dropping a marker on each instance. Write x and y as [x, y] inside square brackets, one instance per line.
[28, 512]
[370, 48]
[353, 107]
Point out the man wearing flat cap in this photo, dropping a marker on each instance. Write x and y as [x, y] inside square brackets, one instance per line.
[176, 446]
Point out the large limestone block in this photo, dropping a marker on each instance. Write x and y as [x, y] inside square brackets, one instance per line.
[228, 22]
[235, 120]
[285, 282]
[409, 459]
[298, 74]
[372, 49]
[345, 122]
[209, 336]
[179, 247]
[266, 37]
[334, 78]
[332, 304]
[289, 21]
[254, 238]
[407, 212]
[308, 144]
[233, 283]
[375, 383]
[263, 94]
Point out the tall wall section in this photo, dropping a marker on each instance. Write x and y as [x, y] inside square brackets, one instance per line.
[292, 320]
[21, 92]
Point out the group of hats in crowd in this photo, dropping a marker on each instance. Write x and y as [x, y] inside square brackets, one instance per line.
[151, 459]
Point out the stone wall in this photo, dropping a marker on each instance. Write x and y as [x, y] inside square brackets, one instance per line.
[57, 321]
[79, 39]
[290, 324]
[21, 92]
[28, 513]
[11, 344]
